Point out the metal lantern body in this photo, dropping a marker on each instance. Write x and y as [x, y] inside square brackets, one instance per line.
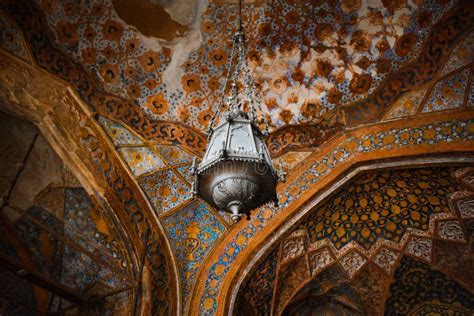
[236, 174]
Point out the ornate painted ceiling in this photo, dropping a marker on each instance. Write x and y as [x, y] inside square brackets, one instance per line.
[55, 231]
[123, 92]
[333, 260]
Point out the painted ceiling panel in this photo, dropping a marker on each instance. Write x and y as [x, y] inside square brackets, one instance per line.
[141, 160]
[46, 249]
[339, 54]
[193, 231]
[448, 93]
[407, 105]
[461, 55]
[91, 228]
[396, 276]
[79, 270]
[383, 204]
[48, 218]
[165, 190]
[174, 155]
[84, 243]
[169, 89]
[119, 134]
[186, 172]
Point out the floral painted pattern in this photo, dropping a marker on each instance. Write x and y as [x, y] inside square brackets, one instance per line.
[407, 105]
[117, 133]
[448, 93]
[165, 190]
[308, 58]
[193, 230]
[141, 160]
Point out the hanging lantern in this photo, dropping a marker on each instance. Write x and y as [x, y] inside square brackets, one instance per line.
[236, 174]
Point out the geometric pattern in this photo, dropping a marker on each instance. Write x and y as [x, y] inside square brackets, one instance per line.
[461, 55]
[382, 205]
[165, 190]
[407, 105]
[448, 93]
[141, 160]
[192, 230]
[424, 188]
[117, 133]
[174, 155]
[391, 139]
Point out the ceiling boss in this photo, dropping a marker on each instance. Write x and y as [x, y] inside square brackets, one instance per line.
[236, 174]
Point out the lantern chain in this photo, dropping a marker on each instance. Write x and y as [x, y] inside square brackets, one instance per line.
[233, 99]
[250, 90]
[221, 102]
[254, 96]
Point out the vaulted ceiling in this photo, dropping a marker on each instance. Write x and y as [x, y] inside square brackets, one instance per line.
[383, 232]
[123, 92]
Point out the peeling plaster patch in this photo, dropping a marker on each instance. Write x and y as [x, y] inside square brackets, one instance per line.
[182, 11]
[181, 50]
